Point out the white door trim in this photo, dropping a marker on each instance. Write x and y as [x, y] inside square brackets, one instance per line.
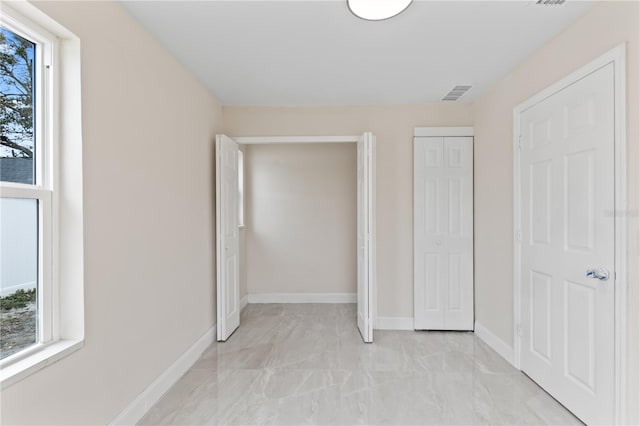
[250, 140]
[373, 283]
[442, 131]
[617, 57]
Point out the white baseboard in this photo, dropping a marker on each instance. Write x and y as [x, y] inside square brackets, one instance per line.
[497, 344]
[301, 298]
[136, 410]
[243, 302]
[394, 323]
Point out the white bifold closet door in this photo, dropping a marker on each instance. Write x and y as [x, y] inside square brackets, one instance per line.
[228, 241]
[443, 233]
[366, 236]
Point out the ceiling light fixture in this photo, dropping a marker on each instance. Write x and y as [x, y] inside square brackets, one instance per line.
[377, 10]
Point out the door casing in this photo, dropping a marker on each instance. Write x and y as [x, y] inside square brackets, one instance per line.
[372, 269]
[617, 57]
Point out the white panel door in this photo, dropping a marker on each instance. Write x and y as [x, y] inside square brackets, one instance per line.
[366, 236]
[567, 205]
[443, 233]
[227, 241]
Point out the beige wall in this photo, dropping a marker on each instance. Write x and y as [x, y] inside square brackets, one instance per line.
[301, 218]
[393, 127]
[148, 128]
[600, 29]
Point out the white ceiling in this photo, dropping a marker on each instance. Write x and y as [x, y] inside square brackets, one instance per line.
[317, 53]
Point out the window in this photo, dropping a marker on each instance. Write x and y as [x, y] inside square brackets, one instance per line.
[241, 188]
[27, 189]
[41, 256]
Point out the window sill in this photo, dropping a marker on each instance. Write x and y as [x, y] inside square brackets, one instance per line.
[41, 357]
[242, 226]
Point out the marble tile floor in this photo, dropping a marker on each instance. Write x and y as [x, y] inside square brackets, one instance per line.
[300, 364]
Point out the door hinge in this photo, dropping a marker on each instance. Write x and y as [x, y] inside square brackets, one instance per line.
[519, 144]
[519, 236]
[519, 330]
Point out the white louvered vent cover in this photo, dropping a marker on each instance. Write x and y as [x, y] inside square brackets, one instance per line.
[456, 93]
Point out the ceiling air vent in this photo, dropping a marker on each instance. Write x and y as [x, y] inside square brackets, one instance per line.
[550, 2]
[456, 93]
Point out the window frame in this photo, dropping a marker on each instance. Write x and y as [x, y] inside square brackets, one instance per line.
[58, 192]
[43, 187]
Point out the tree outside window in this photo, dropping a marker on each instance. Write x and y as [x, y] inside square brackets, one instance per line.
[17, 141]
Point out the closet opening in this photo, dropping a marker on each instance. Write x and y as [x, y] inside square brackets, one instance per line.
[295, 240]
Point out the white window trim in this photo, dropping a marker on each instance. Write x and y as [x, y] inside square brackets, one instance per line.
[58, 170]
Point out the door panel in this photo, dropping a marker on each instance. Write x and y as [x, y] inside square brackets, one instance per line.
[579, 331]
[431, 214]
[455, 291]
[541, 314]
[567, 193]
[443, 233]
[227, 241]
[431, 300]
[540, 204]
[455, 206]
[366, 236]
[578, 185]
